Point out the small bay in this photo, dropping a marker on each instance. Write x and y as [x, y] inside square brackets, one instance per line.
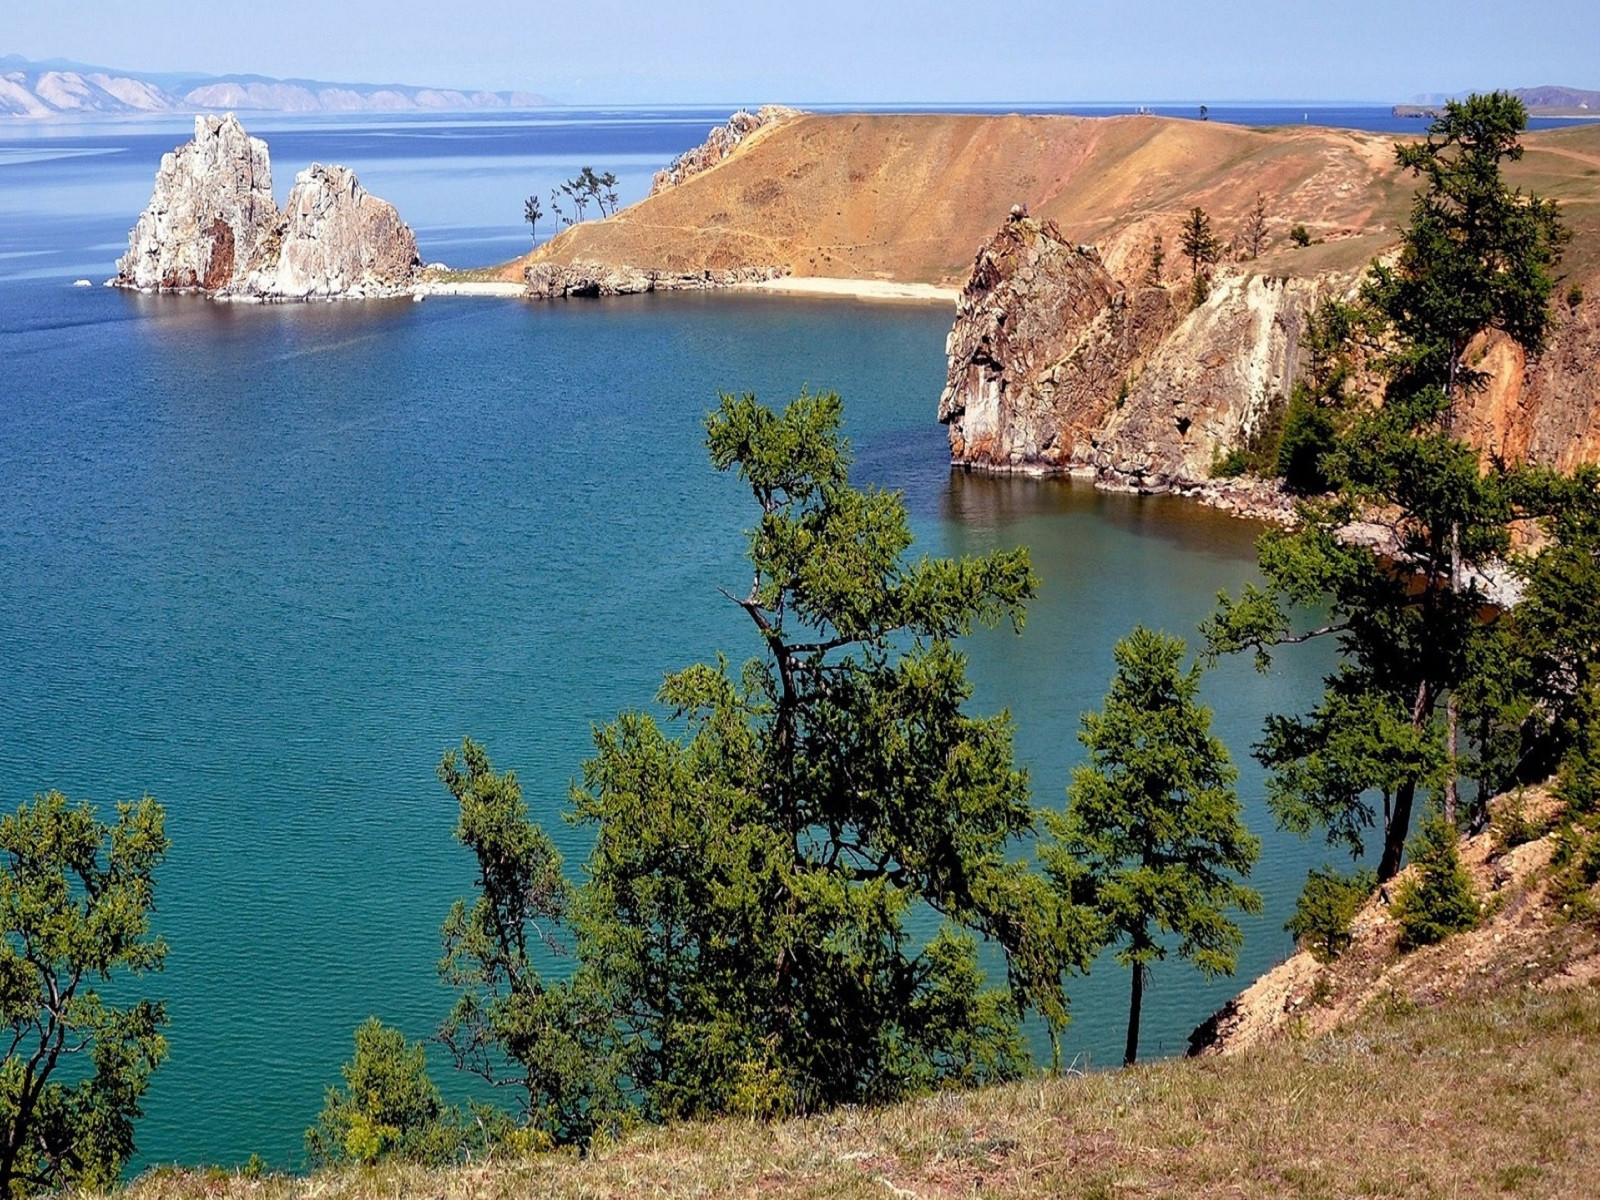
[266, 563]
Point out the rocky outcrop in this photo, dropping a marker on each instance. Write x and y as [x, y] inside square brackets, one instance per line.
[211, 215]
[1543, 408]
[719, 143]
[1526, 941]
[212, 226]
[553, 281]
[1055, 365]
[1043, 349]
[1209, 384]
[338, 239]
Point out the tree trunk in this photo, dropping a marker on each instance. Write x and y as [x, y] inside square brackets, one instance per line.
[1452, 710]
[1131, 1054]
[1394, 838]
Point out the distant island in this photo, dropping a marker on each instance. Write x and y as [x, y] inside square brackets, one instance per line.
[57, 88]
[1547, 101]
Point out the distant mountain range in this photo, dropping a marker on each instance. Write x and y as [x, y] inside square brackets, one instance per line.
[57, 87]
[1547, 101]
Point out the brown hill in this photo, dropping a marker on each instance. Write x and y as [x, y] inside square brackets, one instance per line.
[910, 198]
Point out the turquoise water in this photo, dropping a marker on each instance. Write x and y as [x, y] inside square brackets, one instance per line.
[266, 564]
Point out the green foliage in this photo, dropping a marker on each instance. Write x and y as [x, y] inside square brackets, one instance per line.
[509, 1025]
[1511, 826]
[75, 902]
[1476, 254]
[1152, 839]
[1260, 451]
[1410, 626]
[1200, 246]
[1326, 906]
[740, 936]
[1199, 290]
[1575, 869]
[387, 1108]
[1309, 436]
[1158, 258]
[1300, 236]
[1436, 900]
[1574, 296]
[1555, 656]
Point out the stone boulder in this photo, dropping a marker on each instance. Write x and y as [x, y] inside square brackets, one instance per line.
[1043, 347]
[210, 215]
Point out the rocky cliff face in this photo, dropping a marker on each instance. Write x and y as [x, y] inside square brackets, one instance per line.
[210, 216]
[1545, 408]
[1042, 350]
[1054, 365]
[721, 142]
[212, 226]
[1209, 384]
[340, 240]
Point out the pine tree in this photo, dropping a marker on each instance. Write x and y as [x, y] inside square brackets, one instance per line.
[1200, 246]
[1153, 839]
[1158, 258]
[741, 936]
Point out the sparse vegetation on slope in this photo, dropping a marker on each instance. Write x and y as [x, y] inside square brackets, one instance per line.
[1487, 1098]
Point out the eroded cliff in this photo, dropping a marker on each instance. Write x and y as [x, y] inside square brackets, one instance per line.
[1042, 349]
[213, 227]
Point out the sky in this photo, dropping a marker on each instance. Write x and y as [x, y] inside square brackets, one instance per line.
[843, 51]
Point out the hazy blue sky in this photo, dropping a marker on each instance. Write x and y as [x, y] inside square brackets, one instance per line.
[844, 50]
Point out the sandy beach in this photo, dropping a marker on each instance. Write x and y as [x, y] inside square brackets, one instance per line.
[859, 289]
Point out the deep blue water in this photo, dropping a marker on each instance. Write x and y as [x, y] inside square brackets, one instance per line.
[267, 563]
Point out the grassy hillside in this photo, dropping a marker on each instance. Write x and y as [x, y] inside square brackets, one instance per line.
[1487, 1098]
[910, 197]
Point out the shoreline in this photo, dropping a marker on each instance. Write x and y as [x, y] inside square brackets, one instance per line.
[810, 285]
[854, 289]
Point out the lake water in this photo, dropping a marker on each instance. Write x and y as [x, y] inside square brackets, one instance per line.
[267, 563]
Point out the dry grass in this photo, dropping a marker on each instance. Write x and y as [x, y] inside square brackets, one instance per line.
[1482, 1099]
[910, 198]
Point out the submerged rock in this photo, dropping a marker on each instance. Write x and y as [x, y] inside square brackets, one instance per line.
[213, 227]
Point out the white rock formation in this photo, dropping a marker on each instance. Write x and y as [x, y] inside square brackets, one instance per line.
[212, 226]
[210, 215]
[339, 240]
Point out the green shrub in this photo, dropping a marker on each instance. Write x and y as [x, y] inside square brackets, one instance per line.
[1199, 289]
[1511, 826]
[1259, 453]
[1308, 435]
[1436, 900]
[1327, 904]
[1574, 296]
[1300, 236]
[1574, 870]
[1231, 465]
[388, 1107]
